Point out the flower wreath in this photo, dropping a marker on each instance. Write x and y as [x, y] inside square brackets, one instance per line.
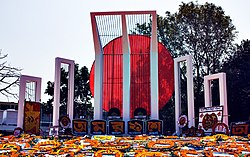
[182, 121]
[165, 144]
[146, 154]
[100, 153]
[64, 122]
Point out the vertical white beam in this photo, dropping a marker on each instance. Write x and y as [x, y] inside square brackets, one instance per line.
[223, 97]
[126, 73]
[20, 112]
[71, 90]
[207, 92]
[190, 91]
[154, 70]
[38, 89]
[56, 102]
[177, 87]
[22, 90]
[222, 91]
[98, 78]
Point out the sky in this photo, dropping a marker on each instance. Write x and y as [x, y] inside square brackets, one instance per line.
[34, 32]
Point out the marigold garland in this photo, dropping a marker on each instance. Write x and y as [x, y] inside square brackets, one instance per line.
[161, 144]
[100, 153]
[26, 145]
[147, 154]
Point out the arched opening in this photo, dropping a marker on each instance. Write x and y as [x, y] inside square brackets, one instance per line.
[140, 113]
[114, 112]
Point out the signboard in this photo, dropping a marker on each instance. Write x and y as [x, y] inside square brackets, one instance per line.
[154, 127]
[80, 127]
[64, 122]
[209, 117]
[135, 127]
[98, 127]
[240, 128]
[116, 127]
[31, 123]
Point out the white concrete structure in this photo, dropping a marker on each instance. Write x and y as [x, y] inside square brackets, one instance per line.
[154, 87]
[24, 79]
[190, 91]
[222, 91]
[70, 103]
[8, 120]
[98, 81]
[126, 72]
[9, 117]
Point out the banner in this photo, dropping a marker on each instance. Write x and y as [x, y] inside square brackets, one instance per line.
[240, 128]
[154, 127]
[209, 117]
[116, 127]
[80, 127]
[135, 127]
[31, 123]
[98, 127]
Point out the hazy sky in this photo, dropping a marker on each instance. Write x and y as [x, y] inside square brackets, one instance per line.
[34, 32]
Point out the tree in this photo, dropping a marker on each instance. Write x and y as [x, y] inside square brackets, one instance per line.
[203, 31]
[237, 69]
[82, 94]
[9, 78]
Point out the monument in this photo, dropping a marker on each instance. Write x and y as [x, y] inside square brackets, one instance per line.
[132, 70]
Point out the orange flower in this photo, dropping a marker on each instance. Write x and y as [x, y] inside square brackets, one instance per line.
[99, 153]
[166, 144]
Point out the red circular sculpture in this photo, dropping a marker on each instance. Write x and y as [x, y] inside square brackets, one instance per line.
[140, 74]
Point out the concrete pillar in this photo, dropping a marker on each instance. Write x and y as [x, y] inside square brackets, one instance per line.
[57, 82]
[222, 91]
[126, 73]
[22, 90]
[154, 87]
[190, 90]
[98, 81]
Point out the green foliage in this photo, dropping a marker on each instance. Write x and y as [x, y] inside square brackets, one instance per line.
[201, 30]
[82, 94]
[237, 69]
